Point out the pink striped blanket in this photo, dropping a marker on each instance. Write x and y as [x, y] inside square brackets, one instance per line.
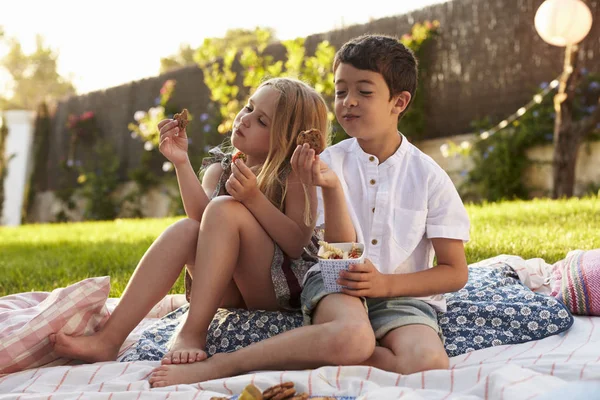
[577, 282]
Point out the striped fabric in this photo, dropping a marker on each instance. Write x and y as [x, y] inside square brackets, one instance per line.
[27, 319]
[525, 371]
[577, 282]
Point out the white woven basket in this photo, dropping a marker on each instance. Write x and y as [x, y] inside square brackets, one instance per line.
[330, 269]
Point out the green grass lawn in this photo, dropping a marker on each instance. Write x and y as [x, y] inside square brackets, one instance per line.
[44, 257]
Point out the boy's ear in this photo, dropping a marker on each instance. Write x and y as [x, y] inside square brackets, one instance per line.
[401, 101]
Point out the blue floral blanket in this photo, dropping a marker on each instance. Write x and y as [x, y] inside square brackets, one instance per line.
[493, 309]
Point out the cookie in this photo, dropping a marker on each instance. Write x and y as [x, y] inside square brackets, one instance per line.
[182, 118]
[282, 391]
[314, 138]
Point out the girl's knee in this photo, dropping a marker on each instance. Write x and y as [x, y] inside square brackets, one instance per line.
[223, 207]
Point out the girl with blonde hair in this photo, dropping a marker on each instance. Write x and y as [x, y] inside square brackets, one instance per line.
[244, 241]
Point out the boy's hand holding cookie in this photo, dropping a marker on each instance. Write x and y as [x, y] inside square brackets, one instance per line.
[242, 184]
[363, 280]
[306, 162]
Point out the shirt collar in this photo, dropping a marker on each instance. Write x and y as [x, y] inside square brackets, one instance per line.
[369, 158]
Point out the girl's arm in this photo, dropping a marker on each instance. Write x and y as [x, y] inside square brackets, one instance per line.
[287, 230]
[196, 196]
[174, 146]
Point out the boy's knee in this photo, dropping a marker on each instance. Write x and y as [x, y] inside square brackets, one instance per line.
[351, 343]
[423, 359]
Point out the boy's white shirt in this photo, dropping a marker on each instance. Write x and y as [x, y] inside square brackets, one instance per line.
[413, 199]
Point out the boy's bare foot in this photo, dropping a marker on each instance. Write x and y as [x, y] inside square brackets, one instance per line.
[167, 375]
[91, 348]
[185, 348]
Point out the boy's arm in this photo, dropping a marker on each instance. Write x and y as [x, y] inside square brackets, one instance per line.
[449, 275]
[312, 171]
[338, 224]
[447, 226]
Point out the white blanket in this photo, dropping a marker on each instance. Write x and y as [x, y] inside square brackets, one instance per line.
[520, 371]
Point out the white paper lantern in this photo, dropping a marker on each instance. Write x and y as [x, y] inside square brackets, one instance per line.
[563, 22]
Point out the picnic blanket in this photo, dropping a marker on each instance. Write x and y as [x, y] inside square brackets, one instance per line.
[526, 370]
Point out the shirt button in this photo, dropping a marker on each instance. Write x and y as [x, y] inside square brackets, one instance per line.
[373, 209]
[372, 181]
[371, 158]
[374, 241]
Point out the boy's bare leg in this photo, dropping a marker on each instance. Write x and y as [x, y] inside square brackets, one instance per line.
[234, 246]
[152, 279]
[410, 349]
[341, 335]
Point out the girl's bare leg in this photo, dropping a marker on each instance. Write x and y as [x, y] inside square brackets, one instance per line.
[341, 335]
[234, 246]
[152, 279]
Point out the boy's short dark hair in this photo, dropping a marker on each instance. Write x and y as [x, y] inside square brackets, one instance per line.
[385, 55]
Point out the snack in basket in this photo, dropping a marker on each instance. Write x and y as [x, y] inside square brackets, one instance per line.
[314, 138]
[239, 155]
[182, 118]
[337, 257]
[328, 251]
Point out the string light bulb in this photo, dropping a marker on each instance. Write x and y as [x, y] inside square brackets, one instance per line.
[537, 99]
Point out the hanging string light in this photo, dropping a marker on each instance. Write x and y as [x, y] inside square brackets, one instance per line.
[450, 149]
[537, 99]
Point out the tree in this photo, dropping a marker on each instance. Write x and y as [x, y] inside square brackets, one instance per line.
[184, 57]
[3, 161]
[34, 77]
[569, 133]
[234, 38]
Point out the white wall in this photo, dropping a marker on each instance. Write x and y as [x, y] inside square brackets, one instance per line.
[537, 177]
[19, 141]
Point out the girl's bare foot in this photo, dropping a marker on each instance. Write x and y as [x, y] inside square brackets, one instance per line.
[91, 348]
[167, 375]
[185, 348]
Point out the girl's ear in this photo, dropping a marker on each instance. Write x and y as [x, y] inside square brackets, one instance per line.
[400, 102]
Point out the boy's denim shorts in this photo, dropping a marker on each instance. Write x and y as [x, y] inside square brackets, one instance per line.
[385, 314]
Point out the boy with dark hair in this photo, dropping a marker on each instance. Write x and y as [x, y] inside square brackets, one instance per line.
[380, 190]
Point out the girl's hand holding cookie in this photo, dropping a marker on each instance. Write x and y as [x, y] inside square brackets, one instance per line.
[173, 142]
[242, 184]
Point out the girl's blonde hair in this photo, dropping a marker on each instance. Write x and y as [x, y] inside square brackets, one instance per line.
[299, 108]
